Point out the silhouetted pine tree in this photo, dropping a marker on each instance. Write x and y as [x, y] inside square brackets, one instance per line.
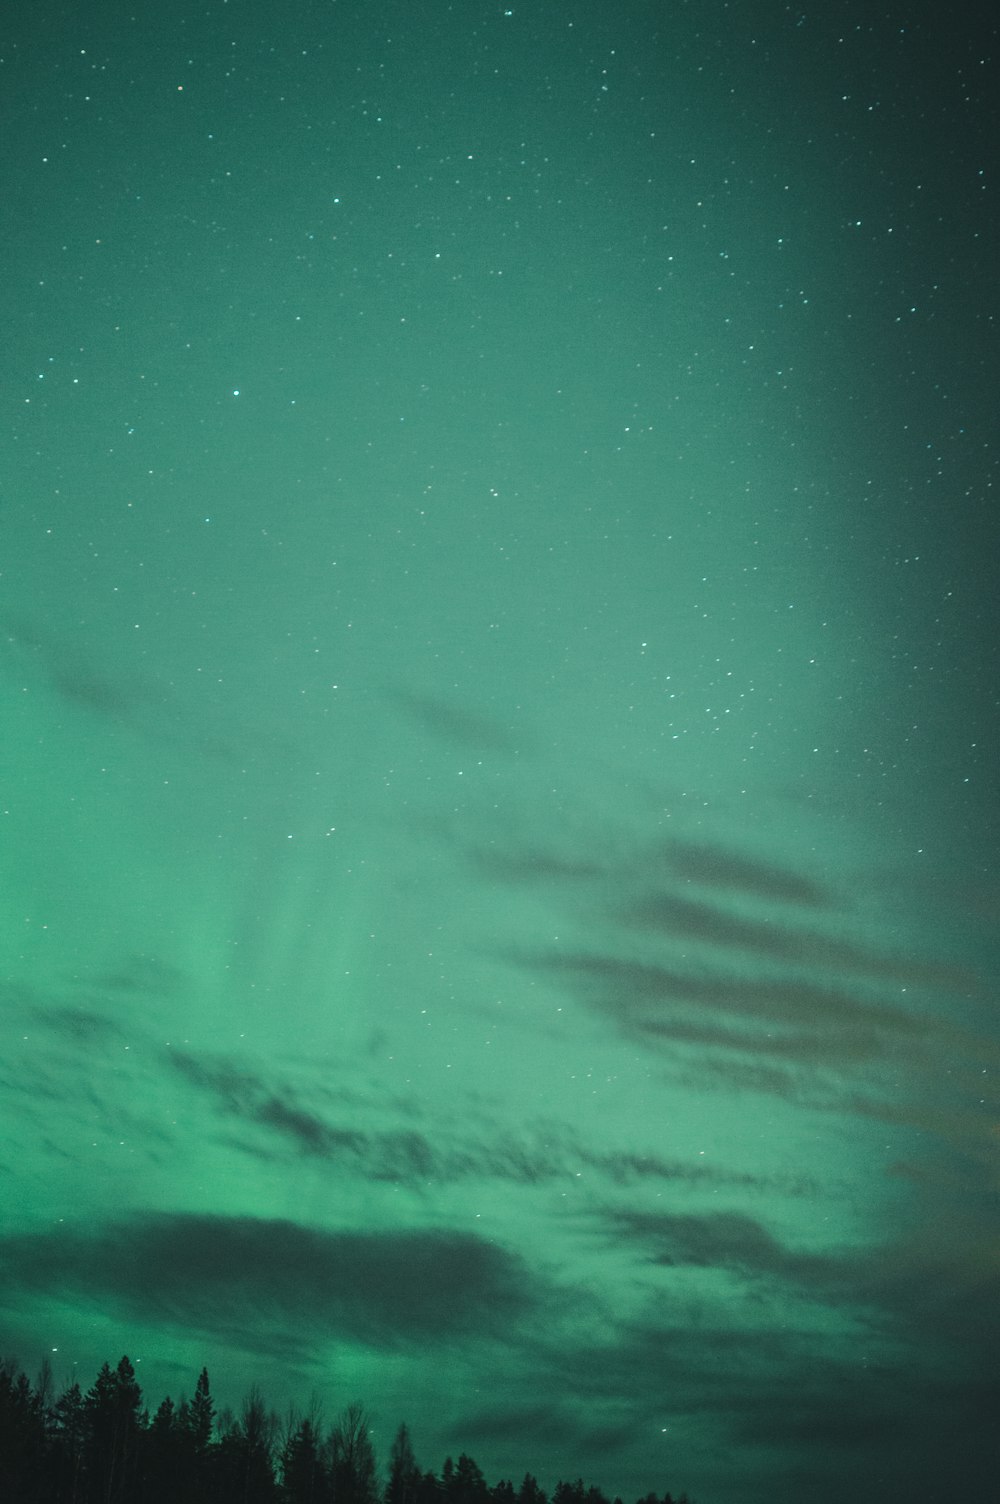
[68, 1433]
[160, 1449]
[201, 1413]
[23, 1440]
[530, 1492]
[113, 1420]
[428, 1489]
[464, 1483]
[304, 1476]
[569, 1493]
[194, 1445]
[404, 1476]
[101, 1448]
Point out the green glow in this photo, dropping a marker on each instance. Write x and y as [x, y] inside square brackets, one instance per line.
[498, 738]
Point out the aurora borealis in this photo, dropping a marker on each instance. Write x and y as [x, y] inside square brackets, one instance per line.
[498, 728]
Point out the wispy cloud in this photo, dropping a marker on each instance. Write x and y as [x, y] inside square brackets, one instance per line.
[538, 1154]
[716, 866]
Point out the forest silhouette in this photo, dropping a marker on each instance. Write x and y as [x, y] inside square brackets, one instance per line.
[102, 1446]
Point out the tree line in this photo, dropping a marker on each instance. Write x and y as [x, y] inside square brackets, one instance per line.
[102, 1446]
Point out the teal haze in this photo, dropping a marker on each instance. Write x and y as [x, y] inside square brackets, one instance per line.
[498, 728]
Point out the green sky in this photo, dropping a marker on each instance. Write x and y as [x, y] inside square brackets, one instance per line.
[498, 724]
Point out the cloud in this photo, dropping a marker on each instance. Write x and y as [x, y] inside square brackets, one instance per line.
[398, 1155]
[242, 1093]
[722, 867]
[719, 1239]
[540, 1154]
[225, 1274]
[593, 855]
[72, 674]
[544, 1424]
[753, 977]
[456, 723]
[114, 690]
[833, 1403]
[642, 998]
[935, 1279]
[672, 917]
[83, 1026]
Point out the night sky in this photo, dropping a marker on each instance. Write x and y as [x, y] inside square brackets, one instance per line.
[499, 895]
